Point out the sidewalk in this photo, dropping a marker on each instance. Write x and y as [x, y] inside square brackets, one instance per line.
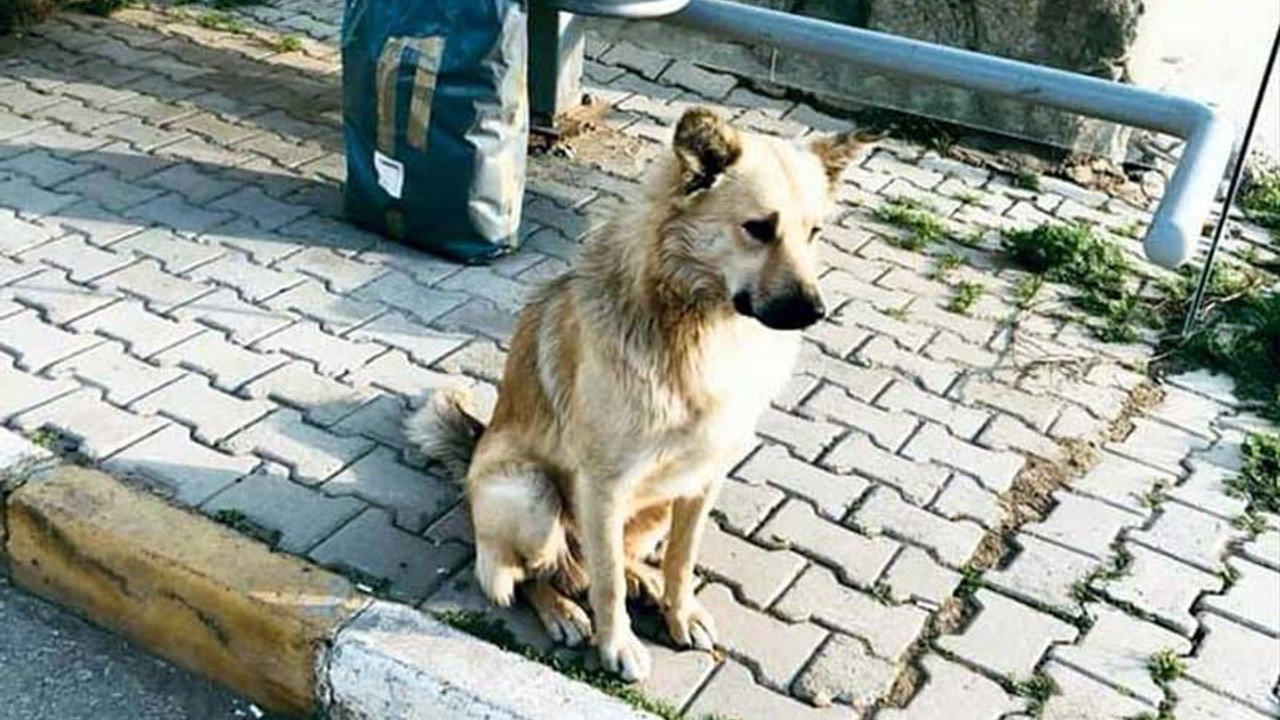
[917, 534]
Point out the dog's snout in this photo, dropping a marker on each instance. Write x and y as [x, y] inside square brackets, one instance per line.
[795, 310]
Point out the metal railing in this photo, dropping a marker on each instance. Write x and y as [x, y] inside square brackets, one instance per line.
[1178, 222]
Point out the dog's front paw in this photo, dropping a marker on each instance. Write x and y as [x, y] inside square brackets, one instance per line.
[623, 653]
[690, 625]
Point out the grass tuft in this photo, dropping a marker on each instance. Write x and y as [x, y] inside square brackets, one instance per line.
[1259, 479]
[1165, 666]
[923, 223]
[966, 294]
[1261, 202]
[1037, 691]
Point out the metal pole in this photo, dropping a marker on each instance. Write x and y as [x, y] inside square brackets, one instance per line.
[1232, 188]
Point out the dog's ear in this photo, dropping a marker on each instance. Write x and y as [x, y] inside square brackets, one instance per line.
[837, 151]
[706, 146]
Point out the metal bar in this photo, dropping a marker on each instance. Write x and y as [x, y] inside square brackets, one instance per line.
[1178, 222]
[556, 42]
[1234, 187]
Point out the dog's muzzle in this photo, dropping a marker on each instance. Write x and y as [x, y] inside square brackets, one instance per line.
[795, 310]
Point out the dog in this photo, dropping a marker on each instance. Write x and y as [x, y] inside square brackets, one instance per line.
[634, 382]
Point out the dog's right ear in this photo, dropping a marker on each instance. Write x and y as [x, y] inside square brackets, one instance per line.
[706, 146]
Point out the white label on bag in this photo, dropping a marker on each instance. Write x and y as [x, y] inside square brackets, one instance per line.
[390, 174]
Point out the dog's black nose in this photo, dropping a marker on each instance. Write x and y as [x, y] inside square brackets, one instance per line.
[795, 310]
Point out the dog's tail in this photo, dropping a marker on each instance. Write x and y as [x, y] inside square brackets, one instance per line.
[446, 429]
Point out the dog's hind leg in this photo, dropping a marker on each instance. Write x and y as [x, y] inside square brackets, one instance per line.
[515, 511]
[564, 619]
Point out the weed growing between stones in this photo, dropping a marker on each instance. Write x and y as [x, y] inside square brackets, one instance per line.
[966, 294]
[1027, 180]
[1165, 666]
[1261, 202]
[1259, 479]
[494, 631]
[919, 219]
[1037, 691]
[238, 521]
[288, 43]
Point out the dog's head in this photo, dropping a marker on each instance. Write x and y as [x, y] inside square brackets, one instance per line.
[757, 203]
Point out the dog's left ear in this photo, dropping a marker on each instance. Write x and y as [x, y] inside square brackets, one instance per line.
[706, 146]
[837, 151]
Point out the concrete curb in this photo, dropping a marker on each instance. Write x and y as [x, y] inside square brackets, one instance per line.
[295, 639]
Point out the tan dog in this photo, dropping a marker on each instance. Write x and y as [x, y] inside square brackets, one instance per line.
[634, 382]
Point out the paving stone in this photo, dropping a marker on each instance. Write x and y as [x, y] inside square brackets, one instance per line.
[411, 566]
[919, 482]
[212, 414]
[100, 428]
[1254, 599]
[322, 400]
[843, 671]
[31, 200]
[400, 291]
[262, 246]
[1188, 411]
[806, 438]
[954, 692]
[676, 675]
[733, 692]
[1081, 697]
[43, 167]
[1193, 537]
[107, 189]
[1007, 637]
[479, 359]
[192, 181]
[172, 211]
[100, 227]
[964, 499]
[691, 77]
[145, 279]
[302, 516]
[1264, 549]
[224, 310]
[1043, 573]
[1205, 489]
[886, 512]
[833, 494]
[994, 469]
[1006, 433]
[339, 273]
[1116, 650]
[413, 497]
[1121, 482]
[742, 506]
[1197, 703]
[263, 210]
[839, 286]
[912, 336]
[1238, 662]
[888, 429]
[424, 345]
[889, 629]
[863, 383]
[143, 332]
[835, 338]
[182, 468]
[59, 300]
[758, 574]
[230, 366]
[507, 294]
[331, 354]
[335, 312]
[1083, 524]
[857, 558]
[312, 454]
[394, 372]
[317, 230]
[1035, 410]
[479, 317]
[1214, 386]
[37, 344]
[23, 391]
[964, 422]
[122, 378]
[777, 648]
[934, 376]
[82, 261]
[381, 419]
[17, 235]
[175, 254]
[1161, 446]
[1163, 587]
[916, 576]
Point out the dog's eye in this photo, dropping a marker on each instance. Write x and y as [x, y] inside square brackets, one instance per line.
[765, 230]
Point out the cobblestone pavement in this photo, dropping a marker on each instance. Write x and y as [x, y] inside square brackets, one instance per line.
[924, 525]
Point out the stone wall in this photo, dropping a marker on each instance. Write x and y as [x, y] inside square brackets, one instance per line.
[1088, 36]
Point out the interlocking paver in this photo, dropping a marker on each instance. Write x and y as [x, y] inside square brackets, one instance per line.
[1253, 598]
[145, 279]
[312, 454]
[100, 428]
[858, 559]
[122, 378]
[37, 344]
[843, 671]
[963, 421]
[919, 482]
[322, 400]
[1007, 637]
[778, 649]
[1194, 537]
[953, 541]
[1035, 410]
[23, 391]
[1264, 549]
[143, 332]
[1162, 587]
[914, 575]
[330, 354]
[181, 467]
[889, 629]
[1116, 649]
[1122, 482]
[994, 469]
[963, 498]
[955, 692]
[58, 299]
[833, 494]
[212, 414]
[409, 566]
[1043, 573]
[806, 437]
[742, 506]
[1161, 446]
[413, 497]
[734, 692]
[1006, 433]
[175, 254]
[1205, 489]
[1083, 524]
[82, 261]
[888, 429]
[1081, 697]
[228, 365]
[301, 516]
[334, 311]
[1237, 661]
[759, 575]
[1197, 703]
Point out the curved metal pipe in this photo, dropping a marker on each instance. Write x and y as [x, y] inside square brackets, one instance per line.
[1178, 222]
